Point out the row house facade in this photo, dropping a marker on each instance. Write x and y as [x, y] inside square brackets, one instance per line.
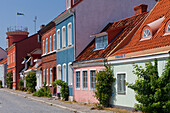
[48, 56]
[18, 45]
[93, 58]
[75, 25]
[136, 40]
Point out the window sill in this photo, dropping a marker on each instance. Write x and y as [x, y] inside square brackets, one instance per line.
[146, 38]
[85, 89]
[119, 93]
[167, 33]
[77, 89]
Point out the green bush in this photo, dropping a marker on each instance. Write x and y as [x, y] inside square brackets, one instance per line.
[64, 88]
[9, 79]
[104, 81]
[43, 92]
[0, 83]
[21, 85]
[152, 91]
[31, 82]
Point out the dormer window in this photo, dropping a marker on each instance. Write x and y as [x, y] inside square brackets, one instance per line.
[168, 28]
[146, 33]
[101, 42]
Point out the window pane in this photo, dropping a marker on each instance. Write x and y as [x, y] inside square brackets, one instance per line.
[78, 79]
[53, 41]
[58, 39]
[168, 28]
[121, 87]
[85, 79]
[92, 76]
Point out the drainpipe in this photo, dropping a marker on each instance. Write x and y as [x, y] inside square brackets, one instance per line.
[72, 11]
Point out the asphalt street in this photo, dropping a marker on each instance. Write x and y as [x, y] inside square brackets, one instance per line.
[10, 103]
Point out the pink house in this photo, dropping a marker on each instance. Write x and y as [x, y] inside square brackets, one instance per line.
[93, 58]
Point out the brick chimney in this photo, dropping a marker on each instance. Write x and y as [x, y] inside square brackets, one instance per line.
[140, 9]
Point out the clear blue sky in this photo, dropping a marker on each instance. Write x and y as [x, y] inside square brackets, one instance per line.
[45, 10]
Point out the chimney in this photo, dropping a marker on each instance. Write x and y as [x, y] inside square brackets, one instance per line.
[42, 26]
[140, 9]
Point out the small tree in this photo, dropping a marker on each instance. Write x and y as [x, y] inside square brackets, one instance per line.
[9, 79]
[64, 88]
[21, 85]
[104, 81]
[31, 82]
[152, 91]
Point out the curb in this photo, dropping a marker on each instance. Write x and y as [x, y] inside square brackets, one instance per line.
[42, 101]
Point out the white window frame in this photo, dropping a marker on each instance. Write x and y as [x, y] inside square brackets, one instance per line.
[50, 45]
[50, 76]
[123, 82]
[77, 88]
[47, 76]
[54, 42]
[85, 88]
[58, 39]
[91, 79]
[103, 44]
[70, 74]
[46, 45]
[43, 76]
[64, 72]
[58, 71]
[146, 33]
[43, 47]
[69, 31]
[68, 4]
[13, 57]
[63, 36]
[168, 28]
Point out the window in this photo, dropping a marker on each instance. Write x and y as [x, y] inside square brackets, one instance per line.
[58, 72]
[68, 4]
[168, 28]
[146, 33]
[53, 42]
[50, 43]
[101, 42]
[77, 79]
[121, 88]
[64, 37]
[69, 34]
[47, 76]
[13, 75]
[58, 39]
[43, 47]
[70, 74]
[92, 79]
[64, 72]
[85, 81]
[75, 1]
[13, 57]
[43, 75]
[46, 46]
[50, 75]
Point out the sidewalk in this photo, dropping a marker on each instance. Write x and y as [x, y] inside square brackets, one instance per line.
[57, 103]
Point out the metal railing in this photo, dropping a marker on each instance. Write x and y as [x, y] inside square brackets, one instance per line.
[17, 28]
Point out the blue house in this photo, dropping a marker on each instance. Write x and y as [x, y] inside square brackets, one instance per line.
[65, 48]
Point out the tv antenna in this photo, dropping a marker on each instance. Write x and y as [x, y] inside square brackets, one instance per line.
[35, 20]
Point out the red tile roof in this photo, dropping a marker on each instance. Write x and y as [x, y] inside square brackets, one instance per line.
[161, 9]
[126, 26]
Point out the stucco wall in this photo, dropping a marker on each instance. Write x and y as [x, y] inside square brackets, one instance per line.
[128, 100]
[84, 95]
[93, 15]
